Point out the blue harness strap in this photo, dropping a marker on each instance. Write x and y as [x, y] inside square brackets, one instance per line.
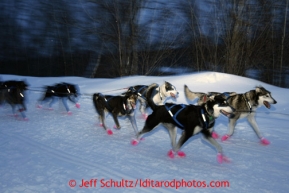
[204, 118]
[140, 89]
[208, 120]
[174, 116]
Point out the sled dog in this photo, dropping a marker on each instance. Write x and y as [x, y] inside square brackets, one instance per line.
[159, 95]
[64, 91]
[245, 105]
[120, 105]
[14, 93]
[190, 118]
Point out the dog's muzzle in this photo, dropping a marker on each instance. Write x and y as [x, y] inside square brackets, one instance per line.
[229, 115]
[173, 95]
[267, 104]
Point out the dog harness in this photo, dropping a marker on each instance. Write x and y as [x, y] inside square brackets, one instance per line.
[126, 111]
[139, 90]
[207, 124]
[248, 103]
[174, 116]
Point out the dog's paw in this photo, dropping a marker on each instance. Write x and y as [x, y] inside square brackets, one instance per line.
[116, 127]
[264, 141]
[225, 137]
[181, 154]
[22, 119]
[134, 142]
[215, 135]
[221, 158]
[171, 154]
[109, 132]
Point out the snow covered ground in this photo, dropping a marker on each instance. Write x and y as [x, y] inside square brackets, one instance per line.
[54, 151]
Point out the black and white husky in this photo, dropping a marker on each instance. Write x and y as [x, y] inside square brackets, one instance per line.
[120, 105]
[64, 91]
[159, 94]
[245, 105]
[190, 118]
[14, 93]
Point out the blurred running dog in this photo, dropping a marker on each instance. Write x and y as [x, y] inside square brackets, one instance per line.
[65, 91]
[190, 118]
[13, 92]
[122, 105]
[245, 105]
[159, 95]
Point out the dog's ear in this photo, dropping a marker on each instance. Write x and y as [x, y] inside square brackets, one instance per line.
[258, 89]
[204, 98]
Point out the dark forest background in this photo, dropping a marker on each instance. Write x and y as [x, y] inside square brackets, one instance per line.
[114, 38]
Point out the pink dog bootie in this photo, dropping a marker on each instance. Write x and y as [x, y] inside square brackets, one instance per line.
[109, 132]
[171, 154]
[134, 142]
[221, 158]
[215, 135]
[225, 137]
[264, 141]
[181, 154]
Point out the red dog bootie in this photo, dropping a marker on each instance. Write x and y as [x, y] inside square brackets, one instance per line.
[215, 135]
[265, 141]
[109, 132]
[225, 137]
[221, 158]
[171, 154]
[134, 142]
[181, 154]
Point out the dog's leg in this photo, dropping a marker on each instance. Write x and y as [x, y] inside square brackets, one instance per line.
[117, 126]
[133, 122]
[184, 137]
[173, 136]
[142, 107]
[252, 121]
[13, 110]
[102, 119]
[64, 101]
[54, 99]
[172, 132]
[22, 109]
[208, 137]
[150, 124]
[231, 128]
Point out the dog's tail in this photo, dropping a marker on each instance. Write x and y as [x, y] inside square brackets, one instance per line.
[149, 96]
[192, 95]
[98, 100]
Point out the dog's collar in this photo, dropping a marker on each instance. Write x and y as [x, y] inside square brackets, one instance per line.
[248, 103]
[211, 118]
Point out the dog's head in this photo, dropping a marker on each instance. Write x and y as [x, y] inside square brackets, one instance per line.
[169, 90]
[131, 98]
[264, 97]
[218, 104]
